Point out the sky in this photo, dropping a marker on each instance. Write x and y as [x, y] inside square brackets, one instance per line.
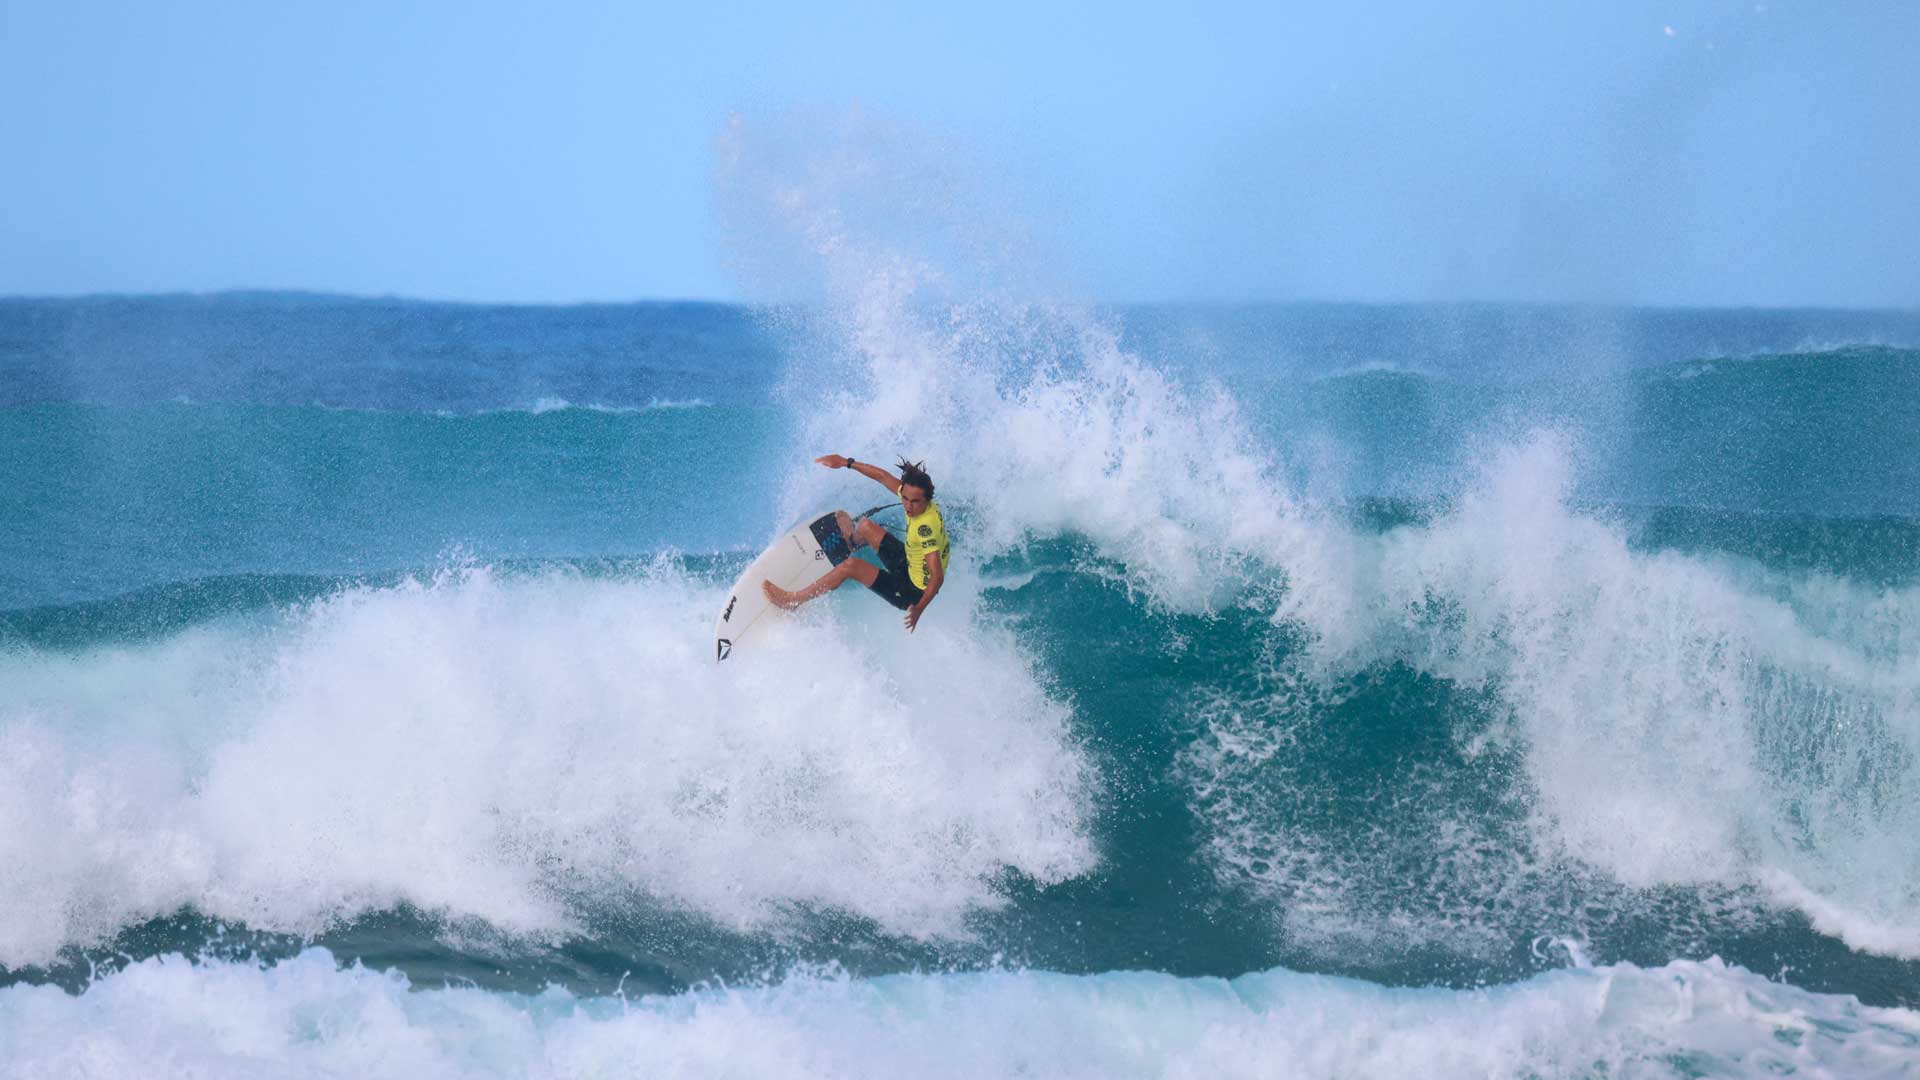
[1677, 153]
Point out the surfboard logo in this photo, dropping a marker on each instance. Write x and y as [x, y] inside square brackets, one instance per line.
[728, 614]
[724, 647]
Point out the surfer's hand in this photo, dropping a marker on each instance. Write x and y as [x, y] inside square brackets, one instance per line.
[913, 617]
[831, 461]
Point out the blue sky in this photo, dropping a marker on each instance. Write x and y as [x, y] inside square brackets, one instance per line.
[1667, 153]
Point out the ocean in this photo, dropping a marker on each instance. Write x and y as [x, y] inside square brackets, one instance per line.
[1318, 690]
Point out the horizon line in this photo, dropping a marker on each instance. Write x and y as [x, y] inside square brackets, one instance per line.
[330, 296]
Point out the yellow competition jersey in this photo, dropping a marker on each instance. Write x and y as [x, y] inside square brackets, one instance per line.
[926, 533]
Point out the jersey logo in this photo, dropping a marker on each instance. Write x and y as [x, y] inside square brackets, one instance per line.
[926, 531]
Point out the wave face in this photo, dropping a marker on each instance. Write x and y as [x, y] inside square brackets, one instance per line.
[1564, 663]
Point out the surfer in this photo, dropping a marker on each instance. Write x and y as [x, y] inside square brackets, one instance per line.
[913, 571]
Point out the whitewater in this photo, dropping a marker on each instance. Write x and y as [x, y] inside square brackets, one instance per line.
[1320, 690]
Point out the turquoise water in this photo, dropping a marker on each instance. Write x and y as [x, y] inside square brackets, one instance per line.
[1475, 665]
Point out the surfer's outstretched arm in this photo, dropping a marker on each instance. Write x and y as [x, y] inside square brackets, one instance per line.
[865, 468]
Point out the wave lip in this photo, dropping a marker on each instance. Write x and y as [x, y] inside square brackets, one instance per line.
[308, 1017]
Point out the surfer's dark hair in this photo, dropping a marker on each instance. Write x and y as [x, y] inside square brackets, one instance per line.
[915, 473]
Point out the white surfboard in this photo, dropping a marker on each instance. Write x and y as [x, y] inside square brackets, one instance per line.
[794, 561]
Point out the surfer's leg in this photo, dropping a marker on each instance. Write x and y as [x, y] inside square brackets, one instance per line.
[868, 532]
[857, 569]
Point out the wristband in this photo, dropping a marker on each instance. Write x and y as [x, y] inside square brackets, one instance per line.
[850, 463]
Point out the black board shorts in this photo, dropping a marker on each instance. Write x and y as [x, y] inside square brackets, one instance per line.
[893, 584]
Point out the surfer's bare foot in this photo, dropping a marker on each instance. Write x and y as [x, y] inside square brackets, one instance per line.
[781, 598]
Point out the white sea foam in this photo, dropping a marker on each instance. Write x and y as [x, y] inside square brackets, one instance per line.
[166, 1017]
[540, 406]
[1678, 721]
[559, 404]
[1030, 416]
[519, 751]
[1370, 367]
[1674, 720]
